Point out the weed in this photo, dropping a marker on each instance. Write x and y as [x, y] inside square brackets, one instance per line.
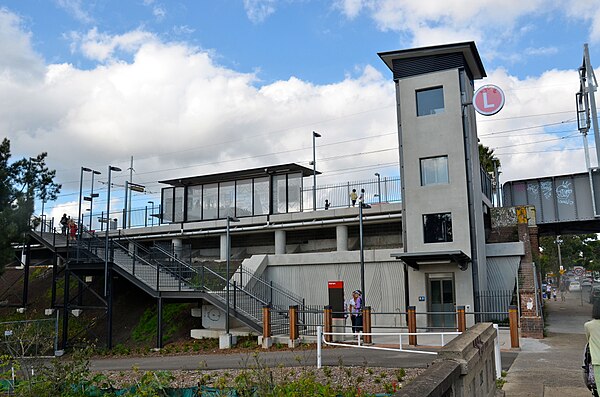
[400, 374]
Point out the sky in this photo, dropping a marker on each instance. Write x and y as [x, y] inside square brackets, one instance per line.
[201, 86]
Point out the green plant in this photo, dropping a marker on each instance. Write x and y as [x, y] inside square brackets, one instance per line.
[400, 374]
[145, 330]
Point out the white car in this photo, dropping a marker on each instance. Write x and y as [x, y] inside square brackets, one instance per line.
[574, 286]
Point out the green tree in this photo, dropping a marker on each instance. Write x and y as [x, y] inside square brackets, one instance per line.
[21, 182]
[576, 250]
[488, 159]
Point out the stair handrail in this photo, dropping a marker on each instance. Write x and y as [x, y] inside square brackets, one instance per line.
[293, 297]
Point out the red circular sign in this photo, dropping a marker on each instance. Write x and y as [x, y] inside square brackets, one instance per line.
[488, 100]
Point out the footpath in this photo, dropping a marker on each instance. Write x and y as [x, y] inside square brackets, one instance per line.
[551, 367]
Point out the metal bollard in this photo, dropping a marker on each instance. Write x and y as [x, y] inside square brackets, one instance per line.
[293, 313]
[367, 324]
[328, 322]
[266, 311]
[412, 324]
[513, 318]
[461, 319]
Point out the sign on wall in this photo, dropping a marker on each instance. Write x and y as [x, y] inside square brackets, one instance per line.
[488, 100]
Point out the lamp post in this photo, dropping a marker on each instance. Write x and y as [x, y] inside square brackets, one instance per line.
[110, 169]
[315, 135]
[378, 186]
[362, 252]
[151, 213]
[228, 238]
[94, 172]
[79, 220]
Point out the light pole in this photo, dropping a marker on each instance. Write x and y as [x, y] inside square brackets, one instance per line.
[151, 213]
[79, 220]
[94, 172]
[315, 135]
[110, 169]
[378, 186]
[229, 219]
[362, 252]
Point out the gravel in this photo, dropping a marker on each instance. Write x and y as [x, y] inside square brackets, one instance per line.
[367, 379]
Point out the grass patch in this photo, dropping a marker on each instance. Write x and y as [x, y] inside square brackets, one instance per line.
[145, 330]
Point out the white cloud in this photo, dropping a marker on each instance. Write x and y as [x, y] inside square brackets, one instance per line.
[75, 9]
[431, 22]
[101, 46]
[350, 8]
[259, 10]
[18, 62]
[159, 12]
[541, 51]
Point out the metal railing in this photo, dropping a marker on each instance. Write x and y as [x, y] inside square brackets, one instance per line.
[383, 190]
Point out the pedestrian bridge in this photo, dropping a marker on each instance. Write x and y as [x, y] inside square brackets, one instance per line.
[565, 204]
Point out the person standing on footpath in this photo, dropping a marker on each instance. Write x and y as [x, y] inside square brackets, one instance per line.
[592, 333]
[356, 311]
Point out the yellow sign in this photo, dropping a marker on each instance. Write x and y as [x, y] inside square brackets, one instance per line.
[521, 215]
[550, 274]
[562, 271]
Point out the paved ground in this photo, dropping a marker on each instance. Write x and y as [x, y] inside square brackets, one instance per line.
[337, 356]
[552, 367]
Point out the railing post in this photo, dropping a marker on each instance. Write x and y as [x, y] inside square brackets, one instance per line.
[328, 322]
[157, 275]
[134, 259]
[412, 325]
[266, 316]
[293, 315]
[179, 273]
[513, 318]
[234, 296]
[367, 324]
[461, 319]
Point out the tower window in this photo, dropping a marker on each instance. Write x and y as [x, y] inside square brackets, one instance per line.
[437, 228]
[430, 101]
[434, 171]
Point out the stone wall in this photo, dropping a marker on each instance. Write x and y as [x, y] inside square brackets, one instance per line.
[464, 367]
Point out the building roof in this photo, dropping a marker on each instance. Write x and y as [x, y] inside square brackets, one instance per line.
[291, 168]
[467, 49]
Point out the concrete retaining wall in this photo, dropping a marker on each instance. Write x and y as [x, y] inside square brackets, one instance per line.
[465, 367]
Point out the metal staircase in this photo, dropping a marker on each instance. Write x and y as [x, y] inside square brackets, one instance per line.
[160, 273]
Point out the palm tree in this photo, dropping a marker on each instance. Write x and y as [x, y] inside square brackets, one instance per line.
[489, 162]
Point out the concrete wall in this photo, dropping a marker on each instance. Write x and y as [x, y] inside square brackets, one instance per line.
[307, 274]
[463, 289]
[465, 367]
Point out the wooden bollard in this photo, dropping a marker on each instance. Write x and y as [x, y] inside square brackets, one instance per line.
[513, 318]
[411, 314]
[367, 324]
[461, 319]
[328, 322]
[293, 314]
[266, 312]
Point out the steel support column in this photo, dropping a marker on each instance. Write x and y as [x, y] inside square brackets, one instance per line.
[109, 309]
[159, 333]
[65, 330]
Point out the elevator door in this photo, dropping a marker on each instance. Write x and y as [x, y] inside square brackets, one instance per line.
[441, 299]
